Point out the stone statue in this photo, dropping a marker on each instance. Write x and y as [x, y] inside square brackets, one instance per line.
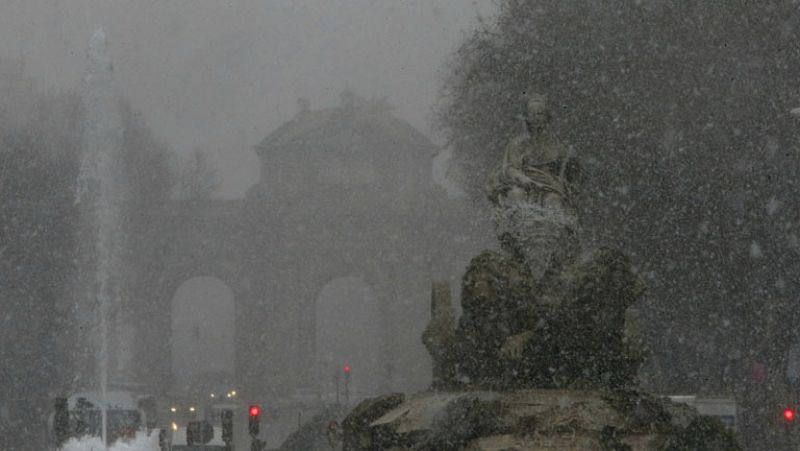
[546, 351]
[536, 315]
[532, 190]
[536, 166]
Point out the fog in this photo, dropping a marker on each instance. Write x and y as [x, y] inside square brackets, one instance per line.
[381, 224]
[220, 75]
[156, 281]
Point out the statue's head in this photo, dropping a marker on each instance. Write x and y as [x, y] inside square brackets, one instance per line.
[537, 117]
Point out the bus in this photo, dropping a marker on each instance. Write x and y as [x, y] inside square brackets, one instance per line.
[81, 415]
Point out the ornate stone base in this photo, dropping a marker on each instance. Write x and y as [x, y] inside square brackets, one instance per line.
[525, 420]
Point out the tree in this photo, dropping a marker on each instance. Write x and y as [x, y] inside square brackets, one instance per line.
[38, 169]
[151, 171]
[679, 112]
[198, 179]
[39, 221]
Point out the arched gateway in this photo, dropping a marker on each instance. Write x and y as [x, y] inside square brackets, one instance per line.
[344, 192]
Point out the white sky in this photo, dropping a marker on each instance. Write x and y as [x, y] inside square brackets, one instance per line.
[222, 74]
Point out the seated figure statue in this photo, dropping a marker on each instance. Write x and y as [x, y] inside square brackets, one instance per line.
[532, 190]
[535, 164]
[537, 314]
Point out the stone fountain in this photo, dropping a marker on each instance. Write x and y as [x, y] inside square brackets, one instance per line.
[546, 352]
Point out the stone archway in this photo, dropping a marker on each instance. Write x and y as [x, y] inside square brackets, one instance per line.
[347, 333]
[203, 325]
[306, 224]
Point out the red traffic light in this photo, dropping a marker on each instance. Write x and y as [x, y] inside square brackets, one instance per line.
[788, 414]
[346, 369]
[254, 420]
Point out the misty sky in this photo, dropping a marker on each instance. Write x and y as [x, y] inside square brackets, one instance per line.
[222, 74]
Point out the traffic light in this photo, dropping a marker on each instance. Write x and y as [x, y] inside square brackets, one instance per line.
[789, 414]
[199, 432]
[227, 426]
[346, 382]
[254, 418]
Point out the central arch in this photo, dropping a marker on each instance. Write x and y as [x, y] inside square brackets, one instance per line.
[203, 328]
[347, 334]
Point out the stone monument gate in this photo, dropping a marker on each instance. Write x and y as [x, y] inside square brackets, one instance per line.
[344, 192]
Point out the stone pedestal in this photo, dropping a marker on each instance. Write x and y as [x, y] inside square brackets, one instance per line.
[531, 420]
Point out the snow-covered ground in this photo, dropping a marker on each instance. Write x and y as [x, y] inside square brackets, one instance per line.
[143, 442]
